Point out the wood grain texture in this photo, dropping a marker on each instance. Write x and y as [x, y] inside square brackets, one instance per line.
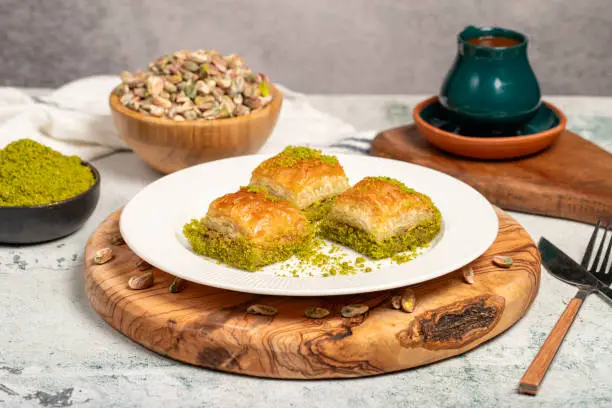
[168, 145]
[531, 381]
[571, 179]
[209, 327]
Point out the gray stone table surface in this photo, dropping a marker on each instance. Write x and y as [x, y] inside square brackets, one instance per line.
[56, 351]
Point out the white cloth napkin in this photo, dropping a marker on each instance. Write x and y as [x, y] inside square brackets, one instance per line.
[75, 120]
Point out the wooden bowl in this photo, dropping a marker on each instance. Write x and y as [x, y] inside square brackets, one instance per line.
[490, 148]
[168, 145]
[42, 223]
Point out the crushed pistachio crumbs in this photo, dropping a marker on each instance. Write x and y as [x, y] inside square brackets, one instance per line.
[403, 188]
[33, 174]
[332, 262]
[310, 252]
[255, 189]
[292, 155]
[366, 244]
[317, 211]
[242, 253]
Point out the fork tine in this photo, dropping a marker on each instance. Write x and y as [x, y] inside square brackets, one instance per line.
[589, 248]
[605, 262]
[599, 250]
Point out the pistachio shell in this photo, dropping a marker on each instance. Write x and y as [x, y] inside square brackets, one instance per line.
[191, 66]
[408, 300]
[103, 256]
[178, 285]
[354, 310]
[156, 111]
[143, 265]
[396, 302]
[163, 102]
[155, 85]
[316, 312]
[254, 103]
[242, 110]
[169, 86]
[117, 240]
[126, 98]
[140, 282]
[224, 82]
[202, 88]
[140, 92]
[468, 274]
[191, 114]
[503, 261]
[263, 310]
[199, 57]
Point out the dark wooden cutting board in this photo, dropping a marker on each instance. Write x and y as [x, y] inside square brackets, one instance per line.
[572, 179]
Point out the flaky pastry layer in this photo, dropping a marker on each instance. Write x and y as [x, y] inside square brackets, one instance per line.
[301, 175]
[256, 216]
[382, 207]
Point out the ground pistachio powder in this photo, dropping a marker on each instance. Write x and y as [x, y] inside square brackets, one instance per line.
[34, 174]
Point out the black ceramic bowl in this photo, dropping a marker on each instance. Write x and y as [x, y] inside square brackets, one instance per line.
[31, 225]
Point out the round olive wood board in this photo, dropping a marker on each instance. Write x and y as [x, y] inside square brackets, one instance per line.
[210, 327]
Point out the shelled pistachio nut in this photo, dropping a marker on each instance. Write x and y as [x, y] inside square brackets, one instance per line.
[103, 256]
[263, 310]
[503, 261]
[354, 310]
[315, 312]
[143, 281]
[178, 285]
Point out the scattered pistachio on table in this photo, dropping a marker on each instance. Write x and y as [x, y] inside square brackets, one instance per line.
[103, 256]
[354, 310]
[315, 312]
[178, 285]
[192, 85]
[143, 265]
[263, 310]
[396, 302]
[143, 281]
[468, 274]
[117, 240]
[503, 261]
[408, 300]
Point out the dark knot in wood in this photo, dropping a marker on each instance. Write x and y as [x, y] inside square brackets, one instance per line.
[455, 325]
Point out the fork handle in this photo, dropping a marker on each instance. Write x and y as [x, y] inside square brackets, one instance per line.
[530, 383]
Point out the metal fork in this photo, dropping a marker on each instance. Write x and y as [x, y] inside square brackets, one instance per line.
[532, 379]
[599, 273]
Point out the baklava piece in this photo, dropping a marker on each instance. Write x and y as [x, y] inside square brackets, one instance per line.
[250, 229]
[380, 217]
[305, 177]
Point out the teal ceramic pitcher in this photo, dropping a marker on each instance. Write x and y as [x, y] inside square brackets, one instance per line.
[491, 83]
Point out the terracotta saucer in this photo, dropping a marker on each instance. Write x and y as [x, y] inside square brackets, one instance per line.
[438, 128]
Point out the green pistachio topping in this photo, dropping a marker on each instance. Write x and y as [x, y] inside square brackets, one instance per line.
[319, 210]
[292, 155]
[261, 190]
[33, 174]
[389, 180]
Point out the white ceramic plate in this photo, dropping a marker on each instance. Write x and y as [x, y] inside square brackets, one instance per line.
[152, 222]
